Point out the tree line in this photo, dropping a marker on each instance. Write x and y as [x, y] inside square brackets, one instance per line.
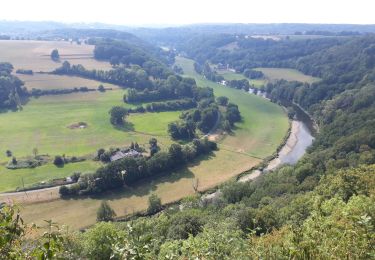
[129, 170]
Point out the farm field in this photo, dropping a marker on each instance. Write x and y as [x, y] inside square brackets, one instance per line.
[48, 81]
[35, 55]
[44, 124]
[229, 75]
[261, 131]
[287, 74]
[12, 179]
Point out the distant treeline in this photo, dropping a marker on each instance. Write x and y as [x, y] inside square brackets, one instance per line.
[129, 170]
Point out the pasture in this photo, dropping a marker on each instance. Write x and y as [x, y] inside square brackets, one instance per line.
[273, 74]
[12, 179]
[44, 124]
[230, 75]
[48, 81]
[35, 55]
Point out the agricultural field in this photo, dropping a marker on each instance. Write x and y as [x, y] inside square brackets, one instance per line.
[230, 75]
[272, 74]
[49, 81]
[13, 179]
[45, 122]
[35, 55]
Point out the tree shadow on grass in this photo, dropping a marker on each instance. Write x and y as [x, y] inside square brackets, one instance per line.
[147, 186]
[233, 130]
[141, 188]
[125, 127]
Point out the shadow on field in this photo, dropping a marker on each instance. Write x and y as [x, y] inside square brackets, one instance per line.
[125, 127]
[147, 186]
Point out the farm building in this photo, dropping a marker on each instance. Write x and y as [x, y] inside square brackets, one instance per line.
[120, 154]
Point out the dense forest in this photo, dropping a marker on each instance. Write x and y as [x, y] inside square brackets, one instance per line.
[320, 208]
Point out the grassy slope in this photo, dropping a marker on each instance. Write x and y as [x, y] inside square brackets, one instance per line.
[287, 74]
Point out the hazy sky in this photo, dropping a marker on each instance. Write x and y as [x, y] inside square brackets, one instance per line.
[138, 12]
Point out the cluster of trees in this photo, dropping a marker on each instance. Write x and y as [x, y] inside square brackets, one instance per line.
[184, 130]
[239, 84]
[55, 56]
[118, 115]
[129, 170]
[174, 87]
[12, 92]
[253, 74]
[204, 118]
[121, 52]
[207, 72]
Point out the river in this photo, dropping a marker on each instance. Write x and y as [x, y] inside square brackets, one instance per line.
[302, 132]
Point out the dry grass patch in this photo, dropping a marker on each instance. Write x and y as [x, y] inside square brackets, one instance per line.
[35, 55]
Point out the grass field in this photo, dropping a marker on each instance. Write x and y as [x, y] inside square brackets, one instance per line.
[229, 75]
[35, 55]
[47, 81]
[43, 123]
[287, 74]
[12, 179]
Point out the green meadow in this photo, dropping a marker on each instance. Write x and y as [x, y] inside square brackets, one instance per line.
[273, 74]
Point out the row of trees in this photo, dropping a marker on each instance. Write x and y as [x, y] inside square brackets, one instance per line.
[129, 170]
[173, 105]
